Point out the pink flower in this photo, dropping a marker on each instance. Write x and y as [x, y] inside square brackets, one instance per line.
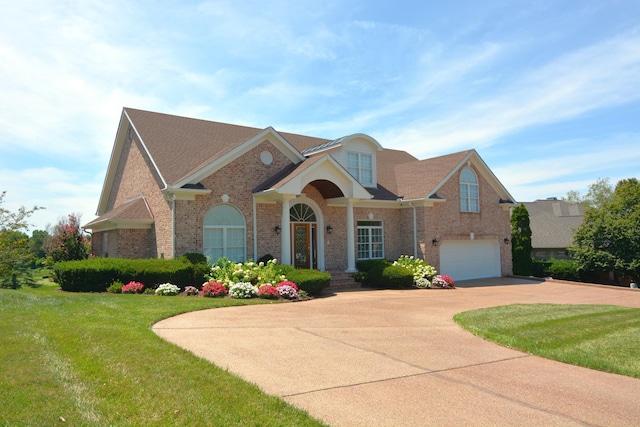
[133, 288]
[288, 283]
[214, 289]
[268, 291]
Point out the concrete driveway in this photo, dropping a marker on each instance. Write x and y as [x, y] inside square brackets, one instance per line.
[396, 358]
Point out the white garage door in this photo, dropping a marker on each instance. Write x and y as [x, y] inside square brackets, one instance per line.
[470, 259]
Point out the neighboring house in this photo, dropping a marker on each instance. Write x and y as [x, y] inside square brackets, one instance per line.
[553, 223]
[176, 185]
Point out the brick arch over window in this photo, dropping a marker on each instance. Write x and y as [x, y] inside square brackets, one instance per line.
[224, 234]
[469, 193]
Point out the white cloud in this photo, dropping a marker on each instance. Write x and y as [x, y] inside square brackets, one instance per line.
[59, 191]
[600, 76]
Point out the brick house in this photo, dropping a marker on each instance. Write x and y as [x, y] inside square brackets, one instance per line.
[553, 223]
[176, 185]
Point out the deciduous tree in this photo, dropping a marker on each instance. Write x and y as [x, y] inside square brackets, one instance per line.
[66, 241]
[598, 194]
[15, 256]
[609, 237]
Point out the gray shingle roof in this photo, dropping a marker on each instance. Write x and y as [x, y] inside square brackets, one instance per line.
[553, 223]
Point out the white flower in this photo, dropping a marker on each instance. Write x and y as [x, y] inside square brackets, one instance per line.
[167, 289]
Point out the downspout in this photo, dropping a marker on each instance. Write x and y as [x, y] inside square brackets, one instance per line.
[173, 226]
[415, 232]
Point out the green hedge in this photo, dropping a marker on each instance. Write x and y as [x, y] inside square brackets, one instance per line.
[311, 281]
[97, 274]
[562, 269]
[397, 277]
[371, 272]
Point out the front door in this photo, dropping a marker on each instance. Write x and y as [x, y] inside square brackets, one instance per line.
[304, 245]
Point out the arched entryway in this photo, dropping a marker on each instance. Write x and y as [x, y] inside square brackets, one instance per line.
[304, 236]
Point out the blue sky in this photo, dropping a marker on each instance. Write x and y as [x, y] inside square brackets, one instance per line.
[547, 92]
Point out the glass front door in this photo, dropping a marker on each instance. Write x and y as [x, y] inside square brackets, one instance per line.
[304, 245]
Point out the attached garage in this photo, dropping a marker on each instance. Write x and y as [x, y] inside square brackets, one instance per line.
[470, 259]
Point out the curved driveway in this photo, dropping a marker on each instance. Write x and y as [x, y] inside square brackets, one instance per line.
[396, 358]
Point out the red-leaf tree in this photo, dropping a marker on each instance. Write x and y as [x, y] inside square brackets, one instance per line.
[66, 242]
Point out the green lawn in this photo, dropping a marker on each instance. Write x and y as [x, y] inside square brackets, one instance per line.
[602, 337]
[92, 359]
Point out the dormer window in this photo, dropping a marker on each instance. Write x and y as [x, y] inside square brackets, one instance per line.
[360, 165]
[469, 194]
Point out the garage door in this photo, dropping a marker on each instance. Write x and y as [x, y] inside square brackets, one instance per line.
[470, 259]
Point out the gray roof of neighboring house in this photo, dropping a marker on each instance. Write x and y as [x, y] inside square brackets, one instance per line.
[553, 222]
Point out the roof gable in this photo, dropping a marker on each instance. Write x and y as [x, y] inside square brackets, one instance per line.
[317, 168]
[423, 179]
[133, 213]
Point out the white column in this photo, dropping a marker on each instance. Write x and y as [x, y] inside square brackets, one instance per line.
[351, 244]
[285, 232]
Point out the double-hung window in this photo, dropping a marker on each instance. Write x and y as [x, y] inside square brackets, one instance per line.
[469, 194]
[370, 240]
[360, 165]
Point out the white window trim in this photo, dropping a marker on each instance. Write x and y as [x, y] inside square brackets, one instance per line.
[224, 229]
[369, 228]
[469, 186]
[358, 172]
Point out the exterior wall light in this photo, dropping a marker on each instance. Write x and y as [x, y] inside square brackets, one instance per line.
[506, 240]
[329, 229]
[277, 229]
[434, 242]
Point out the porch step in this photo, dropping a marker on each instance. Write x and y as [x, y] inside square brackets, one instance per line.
[342, 280]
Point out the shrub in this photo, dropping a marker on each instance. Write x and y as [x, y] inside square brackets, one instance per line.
[397, 277]
[265, 258]
[371, 270]
[564, 269]
[200, 265]
[288, 283]
[287, 291]
[115, 287]
[423, 283]
[443, 281]
[167, 289]
[540, 268]
[214, 289]
[195, 258]
[311, 281]
[229, 273]
[418, 267]
[97, 274]
[133, 288]
[191, 291]
[268, 291]
[243, 290]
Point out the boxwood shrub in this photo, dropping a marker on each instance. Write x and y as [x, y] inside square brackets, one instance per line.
[371, 270]
[397, 277]
[97, 274]
[311, 281]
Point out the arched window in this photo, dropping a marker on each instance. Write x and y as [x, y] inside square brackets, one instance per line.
[224, 234]
[469, 194]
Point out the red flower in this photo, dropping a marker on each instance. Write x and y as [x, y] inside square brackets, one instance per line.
[214, 289]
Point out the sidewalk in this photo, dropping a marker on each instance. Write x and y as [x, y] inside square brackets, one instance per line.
[396, 358]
